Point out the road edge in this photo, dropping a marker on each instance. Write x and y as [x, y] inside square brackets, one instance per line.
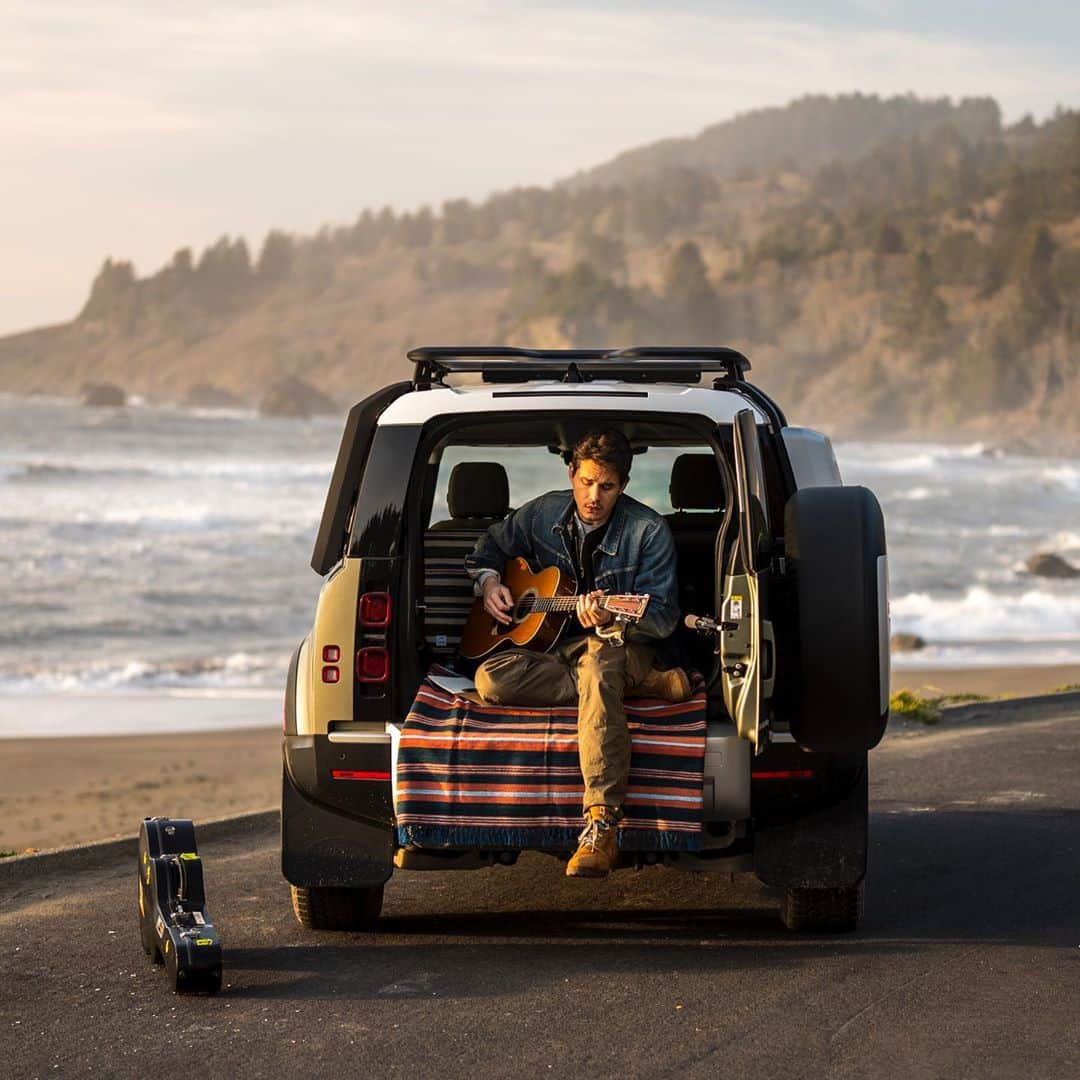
[997, 711]
[102, 853]
[105, 853]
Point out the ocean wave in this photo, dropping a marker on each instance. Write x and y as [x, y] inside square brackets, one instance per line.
[887, 459]
[178, 518]
[1063, 476]
[919, 494]
[30, 472]
[1003, 654]
[277, 472]
[237, 671]
[982, 615]
[223, 413]
[1066, 541]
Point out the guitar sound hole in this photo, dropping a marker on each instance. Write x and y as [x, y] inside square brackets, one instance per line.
[523, 607]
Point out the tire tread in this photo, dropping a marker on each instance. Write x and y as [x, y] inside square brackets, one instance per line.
[330, 908]
[839, 908]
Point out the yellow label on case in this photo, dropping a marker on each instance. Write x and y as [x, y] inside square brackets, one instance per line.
[189, 855]
[204, 941]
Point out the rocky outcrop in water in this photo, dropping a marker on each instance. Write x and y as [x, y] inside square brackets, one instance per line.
[1047, 564]
[906, 643]
[293, 397]
[208, 396]
[103, 394]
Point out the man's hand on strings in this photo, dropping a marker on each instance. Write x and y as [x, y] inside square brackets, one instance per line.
[589, 611]
[498, 600]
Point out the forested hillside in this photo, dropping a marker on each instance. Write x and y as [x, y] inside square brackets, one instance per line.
[888, 266]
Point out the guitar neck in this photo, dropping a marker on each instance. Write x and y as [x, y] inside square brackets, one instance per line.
[564, 604]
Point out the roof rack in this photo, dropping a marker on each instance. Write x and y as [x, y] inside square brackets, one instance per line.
[649, 363]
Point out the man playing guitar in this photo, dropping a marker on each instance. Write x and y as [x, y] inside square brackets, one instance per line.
[607, 542]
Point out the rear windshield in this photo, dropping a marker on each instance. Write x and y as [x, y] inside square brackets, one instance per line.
[534, 469]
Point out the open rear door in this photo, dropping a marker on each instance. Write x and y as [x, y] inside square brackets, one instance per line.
[747, 650]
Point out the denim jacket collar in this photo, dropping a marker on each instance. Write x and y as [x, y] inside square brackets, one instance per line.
[609, 545]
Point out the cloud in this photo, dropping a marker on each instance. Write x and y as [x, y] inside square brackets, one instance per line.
[169, 123]
[37, 115]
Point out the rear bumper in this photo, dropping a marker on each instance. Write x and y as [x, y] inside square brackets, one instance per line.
[338, 828]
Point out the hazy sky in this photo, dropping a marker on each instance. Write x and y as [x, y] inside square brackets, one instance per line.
[135, 127]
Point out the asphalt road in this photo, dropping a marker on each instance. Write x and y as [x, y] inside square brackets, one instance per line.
[968, 963]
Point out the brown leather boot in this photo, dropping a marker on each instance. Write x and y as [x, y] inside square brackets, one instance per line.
[598, 845]
[671, 685]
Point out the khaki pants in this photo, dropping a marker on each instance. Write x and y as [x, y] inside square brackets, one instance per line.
[592, 674]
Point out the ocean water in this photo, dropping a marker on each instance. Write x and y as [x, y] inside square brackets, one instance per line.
[163, 548]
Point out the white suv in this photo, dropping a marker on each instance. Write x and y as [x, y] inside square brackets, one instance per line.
[784, 568]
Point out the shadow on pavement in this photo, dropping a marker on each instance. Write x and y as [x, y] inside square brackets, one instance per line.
[938, 879]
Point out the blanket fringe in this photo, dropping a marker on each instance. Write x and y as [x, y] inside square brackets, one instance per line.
[538, 839]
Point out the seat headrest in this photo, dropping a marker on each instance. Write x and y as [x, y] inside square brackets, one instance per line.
[696, 483]
[478, 489]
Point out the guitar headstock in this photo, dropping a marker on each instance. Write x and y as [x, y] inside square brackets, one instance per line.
[625, 607]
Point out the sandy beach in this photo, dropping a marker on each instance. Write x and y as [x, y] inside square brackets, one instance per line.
[56, 791]
[991, 681]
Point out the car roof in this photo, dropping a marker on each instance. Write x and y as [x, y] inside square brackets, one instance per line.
[420, 406]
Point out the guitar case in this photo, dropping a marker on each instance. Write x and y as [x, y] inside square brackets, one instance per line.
[174, 924]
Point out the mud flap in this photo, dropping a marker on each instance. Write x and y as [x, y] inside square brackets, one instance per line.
[322, 847]
[174, 924]
[821, 848]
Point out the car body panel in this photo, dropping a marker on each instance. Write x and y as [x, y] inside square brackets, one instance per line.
[601, 396]
[813, 463]
[335, 627]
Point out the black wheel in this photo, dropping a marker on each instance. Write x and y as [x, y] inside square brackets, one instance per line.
[838, 908]
[325, 908]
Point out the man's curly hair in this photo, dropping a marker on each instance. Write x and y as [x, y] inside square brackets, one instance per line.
[610, 448]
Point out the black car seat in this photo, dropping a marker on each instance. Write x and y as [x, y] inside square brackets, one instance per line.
[697, 493]
[477, 496]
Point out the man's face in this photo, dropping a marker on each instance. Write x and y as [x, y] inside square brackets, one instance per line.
[596, 487]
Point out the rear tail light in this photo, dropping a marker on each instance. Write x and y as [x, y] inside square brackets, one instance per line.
[373, 664]
[375, 609]
[331, 674]
[331, 654]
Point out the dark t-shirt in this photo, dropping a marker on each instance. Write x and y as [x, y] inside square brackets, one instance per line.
[584, 542]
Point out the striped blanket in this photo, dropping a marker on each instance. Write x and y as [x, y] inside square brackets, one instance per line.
[474, 775]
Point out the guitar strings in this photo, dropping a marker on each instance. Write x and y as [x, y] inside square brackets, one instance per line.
[554, 603]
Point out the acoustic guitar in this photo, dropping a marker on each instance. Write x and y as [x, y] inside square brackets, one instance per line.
[542, 604]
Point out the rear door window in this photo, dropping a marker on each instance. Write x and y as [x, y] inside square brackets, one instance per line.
[532, 471]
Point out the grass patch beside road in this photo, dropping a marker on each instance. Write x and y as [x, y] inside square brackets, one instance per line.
[910, 706]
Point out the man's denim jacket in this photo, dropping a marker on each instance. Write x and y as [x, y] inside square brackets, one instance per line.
[636, 555]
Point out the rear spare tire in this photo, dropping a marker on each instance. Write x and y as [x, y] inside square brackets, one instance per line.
[326, 908]
[836, 908]
[834, 540]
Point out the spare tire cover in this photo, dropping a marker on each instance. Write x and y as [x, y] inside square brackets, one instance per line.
[834, 539]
